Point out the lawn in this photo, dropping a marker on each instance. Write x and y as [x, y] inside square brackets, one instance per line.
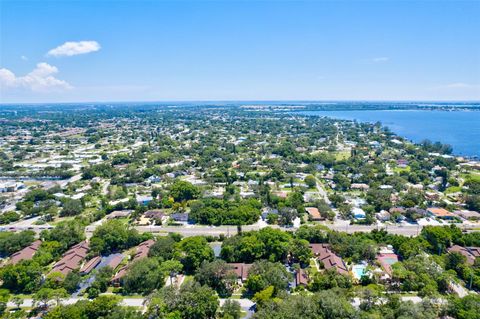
[471, 176]
[401, 169]
[342, 155]
[313, 266]
[453, 189]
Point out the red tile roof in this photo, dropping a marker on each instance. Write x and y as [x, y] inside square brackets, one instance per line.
[314, 212]
[440, 212]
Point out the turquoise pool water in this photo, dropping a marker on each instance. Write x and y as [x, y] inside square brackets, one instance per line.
[358, 271]
[389, 260]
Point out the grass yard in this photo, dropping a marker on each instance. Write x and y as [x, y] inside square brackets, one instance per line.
[401, 169]
[453, 189]
[342, 155]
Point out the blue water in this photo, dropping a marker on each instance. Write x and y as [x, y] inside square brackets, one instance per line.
[460, 129]
[358, 271]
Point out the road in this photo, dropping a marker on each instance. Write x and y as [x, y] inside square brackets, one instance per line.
[245, 304]
[322, 191]
[132, 302]
[199, 230]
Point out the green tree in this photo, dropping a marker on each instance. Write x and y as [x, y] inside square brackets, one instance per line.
[465, 308]
[230, 310]
[143, 276]
[217, 275]
[264, 273]
[190, 301]
[192, 251]
[72, 207]
[163, 248]
[300, 251]
[310, 181]
[13, 242]
[24, 277]
[114, 236]
[182, 190]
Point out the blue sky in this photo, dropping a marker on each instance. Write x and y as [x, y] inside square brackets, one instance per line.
[245, 50]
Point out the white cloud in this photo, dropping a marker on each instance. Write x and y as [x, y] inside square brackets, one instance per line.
[381, 59]
[74, 48]
[24, 58]
[40, 79]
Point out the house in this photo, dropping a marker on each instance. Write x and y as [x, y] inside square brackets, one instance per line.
[402, 163]
[386, 260]
[470, 253]
[72, 259]
[154, 179]
[90, 265]
[141, 252]
[383, 216]
[115, 261]
[468, 214]
[9, 187]
[358, 213]
[154, 216]
[119, 214]
[281, 194]
[269, 211]
[314, 213]
[301, 278]
[385, 187]
[26, 253]
[432, 196]
[180, 217]
[397, 210]
[360, 186]
[241, 270]
[328, 258]
[143, 199]
[440, 213]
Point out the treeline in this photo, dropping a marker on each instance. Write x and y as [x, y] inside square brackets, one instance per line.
[211, 211]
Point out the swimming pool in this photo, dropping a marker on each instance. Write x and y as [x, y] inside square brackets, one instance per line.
[390, 260]
[358, 271]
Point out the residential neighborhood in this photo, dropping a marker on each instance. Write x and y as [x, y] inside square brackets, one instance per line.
[246, 207]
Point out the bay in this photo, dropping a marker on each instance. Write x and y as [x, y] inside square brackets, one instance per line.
[460, 129]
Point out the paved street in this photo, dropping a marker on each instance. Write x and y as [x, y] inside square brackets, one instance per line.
[196, 230]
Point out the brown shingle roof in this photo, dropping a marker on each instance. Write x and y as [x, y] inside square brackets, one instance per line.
[72, 258]
[89, 265]
[241, 270]
[463, 251]
[26, 253]
[142, 252]
[328, 258]
[301, 277]
[117, 260]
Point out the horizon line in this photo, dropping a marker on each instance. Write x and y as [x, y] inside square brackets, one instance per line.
[244, 101]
